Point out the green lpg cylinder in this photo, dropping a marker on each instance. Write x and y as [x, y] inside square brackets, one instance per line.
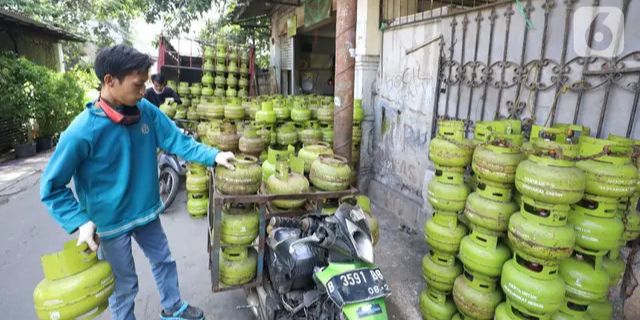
[356, 134]
[597, 226]
[475, 296]
[197, 179]
[330, 173]
[183, 88]
[504, 312]
[266, 114]
[233, 110]
[231, 92]
[550, 180]
[239, 224]
[610, 175]
[75, 285]
[325, 113]
[311, 133]
[181, 113]
[228, 139]
[584, 277]
[246, 177]
[202, 128]
[486, 130]
[213, 133]
[496, 191]
[328, 134]
[358, 112]
[483, 254]
[197, 204]
[209, 53]
[541, 233]
[219, 80]
[614, 266]
[449, 148]
[448, 192]
[489, 214]
[440, 270]
[300, 112]
[217, 109]
[448, 152]
[238, 265]
[286, 134]
[244, 81]
[274, 153]
[443, 233]
[195, 89]
[232, 81]
[207, 92]
[600, 310]
[192, 114]
[572, 310]
[310, 152]
[250, 143]
[497, 161]
[284, 181]
[169, 108]
[435, 305]
[533, 290]
[282, 112]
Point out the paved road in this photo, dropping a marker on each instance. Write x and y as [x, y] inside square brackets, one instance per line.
[27, 232]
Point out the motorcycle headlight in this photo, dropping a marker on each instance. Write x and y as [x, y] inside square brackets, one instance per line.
[361, 242]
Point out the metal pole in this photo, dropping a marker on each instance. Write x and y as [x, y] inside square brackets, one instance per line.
[344, 77]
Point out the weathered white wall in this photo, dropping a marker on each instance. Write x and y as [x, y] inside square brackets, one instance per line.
[405, 93]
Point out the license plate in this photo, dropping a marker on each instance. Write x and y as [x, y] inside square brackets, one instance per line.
[357, 286]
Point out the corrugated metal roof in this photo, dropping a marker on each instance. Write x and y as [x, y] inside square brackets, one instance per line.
[252, 9]
[20, 19]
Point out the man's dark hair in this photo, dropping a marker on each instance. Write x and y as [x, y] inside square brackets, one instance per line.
[158, 78]
[119, 61]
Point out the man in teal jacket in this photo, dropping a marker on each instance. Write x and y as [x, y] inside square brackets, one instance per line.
[110, 151]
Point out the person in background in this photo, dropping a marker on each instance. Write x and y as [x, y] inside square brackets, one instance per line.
[159, 91]
[110, 152]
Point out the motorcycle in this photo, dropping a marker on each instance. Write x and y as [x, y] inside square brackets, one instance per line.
[320, 267]
[171, 169]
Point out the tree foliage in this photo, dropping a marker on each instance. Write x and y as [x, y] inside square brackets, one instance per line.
[105, 22]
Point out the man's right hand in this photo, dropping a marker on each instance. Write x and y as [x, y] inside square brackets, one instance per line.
[223, 158]
[86, 235]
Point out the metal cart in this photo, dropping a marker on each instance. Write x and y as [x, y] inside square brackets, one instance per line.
[266, 211]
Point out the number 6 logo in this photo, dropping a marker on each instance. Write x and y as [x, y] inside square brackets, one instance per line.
[603, 26]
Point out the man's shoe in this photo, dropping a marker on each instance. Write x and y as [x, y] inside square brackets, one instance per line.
[183, 312]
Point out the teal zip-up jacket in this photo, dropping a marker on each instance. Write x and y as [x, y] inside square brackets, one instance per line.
[114, 168]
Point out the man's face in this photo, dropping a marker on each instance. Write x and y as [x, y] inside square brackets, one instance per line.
[129, 90]
[158, 86]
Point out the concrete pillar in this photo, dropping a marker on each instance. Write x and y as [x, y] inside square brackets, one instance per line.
[60, 57]
[368, 46]
[344, 76]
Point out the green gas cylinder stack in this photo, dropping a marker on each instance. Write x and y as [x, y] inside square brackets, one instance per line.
[540, 237]
[447, 194]
[477, 291]
[611, 177]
